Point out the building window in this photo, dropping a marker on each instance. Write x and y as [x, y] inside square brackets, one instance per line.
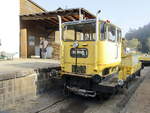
[31, 40]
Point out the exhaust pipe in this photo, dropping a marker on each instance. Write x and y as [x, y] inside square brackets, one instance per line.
[60, 28]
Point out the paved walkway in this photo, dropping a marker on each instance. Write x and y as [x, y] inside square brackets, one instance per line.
[11, 66]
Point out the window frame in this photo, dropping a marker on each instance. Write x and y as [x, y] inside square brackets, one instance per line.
[120, 36]
[105, 31]
[111, 25]
[75, 34]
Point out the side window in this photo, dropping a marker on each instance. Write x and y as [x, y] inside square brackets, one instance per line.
[118, 35]
[112, 33]
[103, 31]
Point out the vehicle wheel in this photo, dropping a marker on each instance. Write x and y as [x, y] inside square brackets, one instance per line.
[66, 92]
[123, 90]
[139, 73]
[106, 96]
[142, 66]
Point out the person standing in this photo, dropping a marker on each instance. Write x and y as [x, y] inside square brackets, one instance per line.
[41, 46]
[45, 45]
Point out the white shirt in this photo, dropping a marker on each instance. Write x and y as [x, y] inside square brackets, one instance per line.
[45, 44]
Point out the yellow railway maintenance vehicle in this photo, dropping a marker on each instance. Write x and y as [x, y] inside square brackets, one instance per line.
[145, 59]
[93, 57]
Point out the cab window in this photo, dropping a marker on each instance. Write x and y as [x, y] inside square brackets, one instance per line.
[112, 33]
[80, 32]
[103, 31]
[118, 35]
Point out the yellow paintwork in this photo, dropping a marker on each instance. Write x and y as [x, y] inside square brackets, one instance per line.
[129, 65]
[101, 55]
[145, 58]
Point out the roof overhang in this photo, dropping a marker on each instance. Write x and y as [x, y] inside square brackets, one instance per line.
[52, 19]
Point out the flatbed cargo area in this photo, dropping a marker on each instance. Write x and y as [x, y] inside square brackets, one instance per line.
[145, 60]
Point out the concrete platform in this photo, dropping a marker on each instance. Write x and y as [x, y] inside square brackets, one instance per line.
[22, 67]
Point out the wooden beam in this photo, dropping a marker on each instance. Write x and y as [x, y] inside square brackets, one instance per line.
[64, 19]
[47, 25]
[49, 21]
[47, 15]
[43, 22]
[70, 17]
[53, 20]
[53, 28]
[67, 19]
[77, 18]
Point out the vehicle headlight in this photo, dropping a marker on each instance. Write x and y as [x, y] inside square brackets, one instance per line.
[120, 82]
[75, 45]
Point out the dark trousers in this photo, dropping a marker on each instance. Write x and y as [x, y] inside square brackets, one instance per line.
[40, 53]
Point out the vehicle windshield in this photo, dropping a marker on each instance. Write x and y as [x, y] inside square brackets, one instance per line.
[79, 32]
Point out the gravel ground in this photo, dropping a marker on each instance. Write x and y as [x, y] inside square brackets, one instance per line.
[140, 101]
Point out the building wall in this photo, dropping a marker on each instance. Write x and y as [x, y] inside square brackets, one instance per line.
[34, 30]
[28, 29]
[29, 7]
[9, 26]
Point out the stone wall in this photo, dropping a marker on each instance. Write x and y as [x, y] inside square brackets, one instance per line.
[15, 89]
[23, 88]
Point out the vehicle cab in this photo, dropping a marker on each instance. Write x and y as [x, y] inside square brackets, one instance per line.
[90, 48]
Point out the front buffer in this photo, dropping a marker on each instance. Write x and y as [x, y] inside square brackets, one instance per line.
[90, 86]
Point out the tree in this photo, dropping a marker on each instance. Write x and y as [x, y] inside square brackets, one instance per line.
[134, 43]
[142, 34]
[148, 45]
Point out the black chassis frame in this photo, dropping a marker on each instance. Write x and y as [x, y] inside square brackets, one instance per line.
[145, 63]
[87, 84]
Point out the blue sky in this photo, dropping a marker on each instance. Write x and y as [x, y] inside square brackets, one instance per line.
[124, 13]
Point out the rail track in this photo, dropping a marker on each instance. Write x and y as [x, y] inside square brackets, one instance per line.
[55, 103]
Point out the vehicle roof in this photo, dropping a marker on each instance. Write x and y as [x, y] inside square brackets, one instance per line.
[86, 21]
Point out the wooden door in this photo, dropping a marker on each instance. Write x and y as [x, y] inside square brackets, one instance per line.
[23, 43]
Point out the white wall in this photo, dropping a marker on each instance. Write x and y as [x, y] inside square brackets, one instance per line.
[9, 26]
